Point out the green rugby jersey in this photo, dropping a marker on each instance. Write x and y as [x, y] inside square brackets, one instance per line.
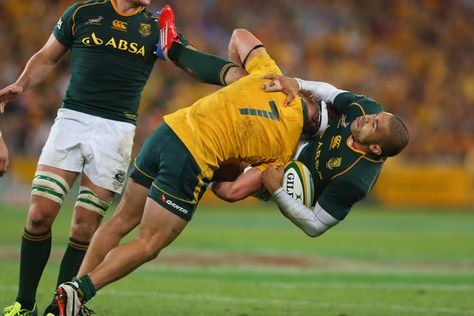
[342, 175]
[112, 56]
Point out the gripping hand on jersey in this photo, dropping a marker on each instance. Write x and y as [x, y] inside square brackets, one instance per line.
[287, 85]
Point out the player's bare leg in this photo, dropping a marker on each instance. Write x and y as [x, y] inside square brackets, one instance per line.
[127, 216]
[50, 186]
[158, 229]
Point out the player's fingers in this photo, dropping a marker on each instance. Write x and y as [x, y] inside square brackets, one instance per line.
[2, 106]
[271, 86]
[267, 85]
[271, 77]
[289, 98]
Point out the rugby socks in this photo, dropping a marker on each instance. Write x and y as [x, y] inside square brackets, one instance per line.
[35, 251]
[86, 288]
[207, 68]
[72, 260]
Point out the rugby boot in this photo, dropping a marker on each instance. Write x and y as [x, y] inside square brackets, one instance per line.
[16, 310]
[68, 301]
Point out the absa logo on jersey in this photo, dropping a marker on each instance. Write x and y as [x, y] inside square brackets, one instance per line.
[119, 44]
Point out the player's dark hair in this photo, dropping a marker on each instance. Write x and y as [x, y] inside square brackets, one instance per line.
[397, 138]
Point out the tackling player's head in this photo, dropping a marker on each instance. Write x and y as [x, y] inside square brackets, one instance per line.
[383, 134]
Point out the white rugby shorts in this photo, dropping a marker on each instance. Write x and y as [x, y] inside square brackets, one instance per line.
[98, 147]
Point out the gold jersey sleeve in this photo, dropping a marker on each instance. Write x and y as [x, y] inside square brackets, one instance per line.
[241, 122]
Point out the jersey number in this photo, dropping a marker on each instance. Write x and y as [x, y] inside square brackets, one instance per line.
[273, 114]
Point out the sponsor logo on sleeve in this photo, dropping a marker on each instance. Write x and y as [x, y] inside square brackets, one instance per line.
[59, 25]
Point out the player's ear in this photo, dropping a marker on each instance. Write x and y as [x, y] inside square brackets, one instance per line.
[375, 149]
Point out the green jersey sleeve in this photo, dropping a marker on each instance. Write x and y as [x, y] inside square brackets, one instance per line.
[63, 31]
[339, 196]
[353, 105]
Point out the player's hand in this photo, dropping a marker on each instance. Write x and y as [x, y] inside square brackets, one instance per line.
[287, 85]
[9, 94]
[3, 157]
[272, 177]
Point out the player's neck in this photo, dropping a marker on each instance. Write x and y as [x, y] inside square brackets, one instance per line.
[356, 146]
[126, 7]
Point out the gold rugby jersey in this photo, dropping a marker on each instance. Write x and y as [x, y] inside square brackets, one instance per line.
[241, 122]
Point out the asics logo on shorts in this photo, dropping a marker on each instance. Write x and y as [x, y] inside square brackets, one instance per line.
[173, 204]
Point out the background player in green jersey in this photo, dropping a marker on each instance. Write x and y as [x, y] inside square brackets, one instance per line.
[345, 161]
[112, 45]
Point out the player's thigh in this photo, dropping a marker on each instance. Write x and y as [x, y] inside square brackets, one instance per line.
[64, 146]
[108, 154]
[159, 227]
[129, 212]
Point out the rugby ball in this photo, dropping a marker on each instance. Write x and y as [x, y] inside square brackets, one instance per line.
[298, 182]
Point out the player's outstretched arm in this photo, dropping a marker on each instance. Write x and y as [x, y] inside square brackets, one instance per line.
[314, 222]
[37, 68]
[203, 67]
[316, 90]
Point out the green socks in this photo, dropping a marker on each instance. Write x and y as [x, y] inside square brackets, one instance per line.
[35, 251]
[86, 288]
[205, 67]
[72, 260]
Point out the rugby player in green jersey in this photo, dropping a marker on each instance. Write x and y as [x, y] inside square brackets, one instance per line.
[112, 45]
[345, 161]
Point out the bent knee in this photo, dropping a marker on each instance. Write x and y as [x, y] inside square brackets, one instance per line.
[83, 228]
[41, 216]
[123, 222]
[148, 250]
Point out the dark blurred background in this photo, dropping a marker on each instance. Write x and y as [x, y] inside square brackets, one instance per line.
[415, 57]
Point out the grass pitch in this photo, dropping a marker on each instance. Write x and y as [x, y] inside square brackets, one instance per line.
[246, 261]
